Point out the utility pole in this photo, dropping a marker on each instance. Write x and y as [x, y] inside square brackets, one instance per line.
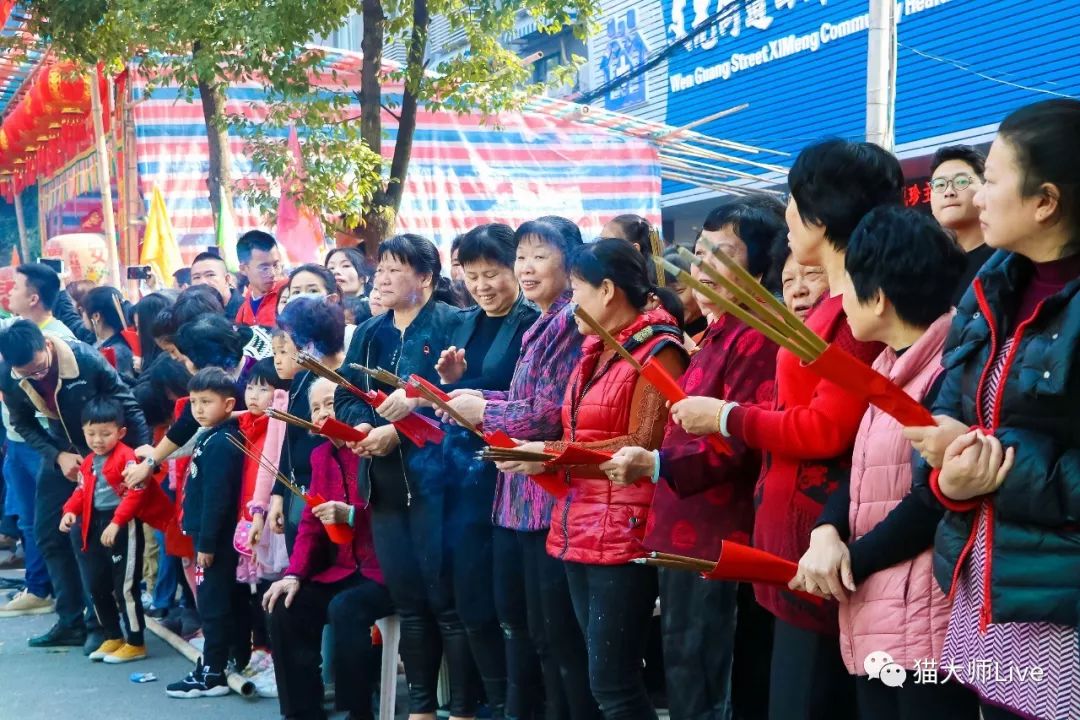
[103, 179]
[881, 75]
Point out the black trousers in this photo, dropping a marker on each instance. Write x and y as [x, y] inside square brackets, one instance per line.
[912, 701]
[112, 576]
[351, 606]
[809, 680]
[546, 661]
[224, 608]
[613, 604]
[53, 490]
[697, 617]
[411, 548]
[753, 657]
[468, 522]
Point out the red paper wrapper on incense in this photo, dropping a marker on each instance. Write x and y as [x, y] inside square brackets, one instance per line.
[334, 428]
[655, 373]
[742, 563]
[339, 533]
[861, 380]
[418, 428]
[109, 354]
[131, 337]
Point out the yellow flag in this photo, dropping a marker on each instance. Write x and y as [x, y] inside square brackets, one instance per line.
[159, 248]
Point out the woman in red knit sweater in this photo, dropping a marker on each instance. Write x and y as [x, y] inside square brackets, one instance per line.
[806, 433]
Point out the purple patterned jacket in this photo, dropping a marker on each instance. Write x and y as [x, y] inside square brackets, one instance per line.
[532, 410]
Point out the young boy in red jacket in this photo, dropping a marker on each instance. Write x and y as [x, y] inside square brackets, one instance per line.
[111, 518]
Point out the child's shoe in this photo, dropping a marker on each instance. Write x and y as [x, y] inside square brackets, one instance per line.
[126, 653]
[200, 682]
[105, 649]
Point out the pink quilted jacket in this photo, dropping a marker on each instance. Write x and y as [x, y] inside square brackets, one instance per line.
[899, 610]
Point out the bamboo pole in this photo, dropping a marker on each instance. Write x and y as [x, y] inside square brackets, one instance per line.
[103, 179]
[20, 219]
[237, 683]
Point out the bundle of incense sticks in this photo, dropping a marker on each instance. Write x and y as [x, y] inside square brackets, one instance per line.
[737, 562]
[416, 387]
[419, 429]
[130, 335]
[339, 533]
[658, 251]
[268, 466]
[495, 454]
[652, 371]
[292, 420]
[676, 562]
[754, 305]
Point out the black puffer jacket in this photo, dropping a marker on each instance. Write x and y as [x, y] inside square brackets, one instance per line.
[1034, 553]
[395, 478]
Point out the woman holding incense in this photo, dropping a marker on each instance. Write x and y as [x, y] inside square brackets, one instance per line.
[484, 352]
[703, 497]
[546, 663]
[407, 484]
[873, 548]
[1006, 552]
[326, 583]
[597, 527]
[806, 433]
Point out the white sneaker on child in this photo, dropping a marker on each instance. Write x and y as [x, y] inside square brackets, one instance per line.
[265, 683]
[260, 660]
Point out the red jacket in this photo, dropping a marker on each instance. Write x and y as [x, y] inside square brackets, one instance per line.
[334, 476]
[806, 436]
[267, 315]
[149, 503]
[704, 497]
[599, 522]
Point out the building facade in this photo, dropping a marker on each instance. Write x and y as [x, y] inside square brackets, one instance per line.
[799, 68]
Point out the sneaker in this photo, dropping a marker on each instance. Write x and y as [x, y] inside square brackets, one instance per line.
[59, 636]
[200, 682]
[266, 683]
[260, 660]
[106, 648]
[26, 603]
[126, 653]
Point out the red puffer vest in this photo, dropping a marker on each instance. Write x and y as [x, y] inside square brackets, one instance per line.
[597, 522]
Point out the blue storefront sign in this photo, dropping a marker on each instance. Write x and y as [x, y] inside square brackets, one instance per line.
[800, 65]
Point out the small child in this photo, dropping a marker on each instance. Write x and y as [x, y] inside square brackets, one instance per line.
[262, 554]
[211, 505]
[111, 518]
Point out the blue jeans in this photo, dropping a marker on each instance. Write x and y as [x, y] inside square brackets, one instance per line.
[21, 467]
[168, 576]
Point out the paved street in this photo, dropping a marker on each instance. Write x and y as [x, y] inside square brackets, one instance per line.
[40, 684]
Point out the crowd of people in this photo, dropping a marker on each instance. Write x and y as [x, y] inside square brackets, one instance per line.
[149, 472]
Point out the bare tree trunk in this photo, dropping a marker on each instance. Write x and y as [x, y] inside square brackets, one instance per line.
[373, 228]
[212, 94]
[414, 75]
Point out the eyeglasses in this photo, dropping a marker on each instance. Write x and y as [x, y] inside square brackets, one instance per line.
[37, 374]
[959, 182]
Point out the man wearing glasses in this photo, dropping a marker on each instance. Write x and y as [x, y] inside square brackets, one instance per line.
[53, 378]
[956, 175]
[260, 261]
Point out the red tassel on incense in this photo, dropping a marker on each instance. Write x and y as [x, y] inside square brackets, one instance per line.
[861, 380]
[339, 533]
